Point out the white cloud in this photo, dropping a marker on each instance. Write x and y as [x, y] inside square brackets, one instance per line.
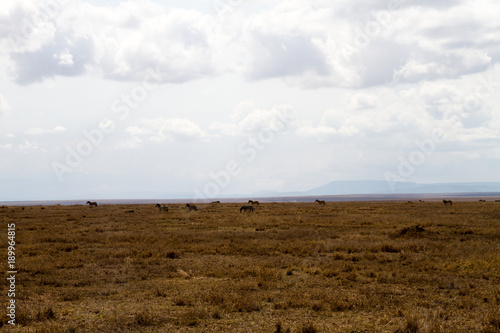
[363, 101]
[247, 119]
[309, 44]
[4, 106]
[119, 43]
[376, 118]
[27, 25]
[65, 58]
[455, 105]
[320, 132]
[131, 143]
[40, 131]
[27, 146]
[165, 129]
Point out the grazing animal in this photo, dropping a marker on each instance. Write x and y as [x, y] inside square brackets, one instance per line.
[321, 202]
[92, 204]
[191, 207]
[162, 208]
[446, 202]
[481, 200]
[246, 208]
[253, 202]
[497, 200]
[216, 202]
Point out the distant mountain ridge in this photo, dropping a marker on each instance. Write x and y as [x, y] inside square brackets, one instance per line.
[383, 187]
[354, 187]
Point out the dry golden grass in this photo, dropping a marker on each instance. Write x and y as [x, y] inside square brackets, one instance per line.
[287, 267]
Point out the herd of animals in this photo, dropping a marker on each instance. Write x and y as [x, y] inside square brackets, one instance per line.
[190, 207]
[250, 208]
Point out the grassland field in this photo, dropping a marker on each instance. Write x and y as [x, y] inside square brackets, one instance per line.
[286, 267]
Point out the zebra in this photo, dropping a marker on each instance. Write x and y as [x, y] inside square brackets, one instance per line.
[246, 208]
[162, 208]
[191, 207]
[446, 202]
[92, 204]
[321, 202]
[253, 202]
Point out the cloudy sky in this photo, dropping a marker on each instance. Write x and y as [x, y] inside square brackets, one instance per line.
[140, 99]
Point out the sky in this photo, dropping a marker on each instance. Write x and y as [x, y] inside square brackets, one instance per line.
[208, 98]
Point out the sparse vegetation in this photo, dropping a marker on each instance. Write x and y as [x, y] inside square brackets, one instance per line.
[286, 267]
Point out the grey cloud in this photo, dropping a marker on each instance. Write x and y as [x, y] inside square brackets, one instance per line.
[45, 63]
[119, 44]
[187, 45]
[377, 63]
[282, 56]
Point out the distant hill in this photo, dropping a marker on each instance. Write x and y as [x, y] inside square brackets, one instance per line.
[382, 187]
[361, 187]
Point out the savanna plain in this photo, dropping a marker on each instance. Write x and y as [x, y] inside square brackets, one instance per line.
[285, 267]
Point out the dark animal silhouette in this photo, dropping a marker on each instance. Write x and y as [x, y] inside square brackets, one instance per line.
[191, 207]
[92, 204]
[321, 202]
[162, 208]
[253, 202]
[246, 208]
[446, 202]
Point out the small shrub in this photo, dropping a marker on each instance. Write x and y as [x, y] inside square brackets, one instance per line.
[388, 249]
[182, 302]
[410, 231]
[411, 325]
[46, 314]
[308, 328]
[280, 329]
[492, 322]
[192, 317]
[144, 318]
[160, 293]
[173, 255]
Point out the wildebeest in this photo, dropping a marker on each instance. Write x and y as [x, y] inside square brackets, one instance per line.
[481, 200]
[216, 202]
[92, 204]
[446, 202]
[191, 207]
[162, 208]
[321, 202]
[253, 202]
[246, 208]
